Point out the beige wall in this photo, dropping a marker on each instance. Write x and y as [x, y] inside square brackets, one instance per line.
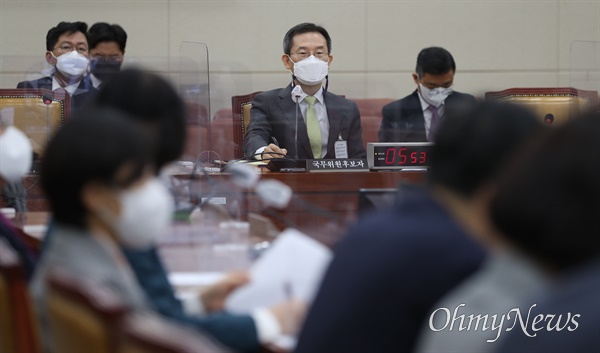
[496, 44]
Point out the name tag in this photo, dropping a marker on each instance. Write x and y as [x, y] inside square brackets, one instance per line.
[341, 148]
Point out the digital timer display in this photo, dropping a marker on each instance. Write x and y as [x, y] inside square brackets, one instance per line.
[398, 155]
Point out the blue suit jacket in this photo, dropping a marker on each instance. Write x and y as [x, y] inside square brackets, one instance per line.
[83, 93]
[385, 277]
[403, 119]
[273, 113]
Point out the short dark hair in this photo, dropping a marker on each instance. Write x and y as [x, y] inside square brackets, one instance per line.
[104, 32]
[91, 147]
[305, 27]
[548, 199]
[152, 101]
[471, 147]
[64, 27]
[434, 61]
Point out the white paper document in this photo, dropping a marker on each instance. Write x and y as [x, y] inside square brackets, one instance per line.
[291, 268]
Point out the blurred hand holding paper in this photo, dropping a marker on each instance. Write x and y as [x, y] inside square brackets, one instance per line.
[293, 266]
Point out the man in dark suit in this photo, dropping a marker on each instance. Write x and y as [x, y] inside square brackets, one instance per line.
[323, 117]
[107, 48]
[67, 51]
[395, 264]
[415, 117]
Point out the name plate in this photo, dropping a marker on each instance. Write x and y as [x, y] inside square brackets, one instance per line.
[337, 165]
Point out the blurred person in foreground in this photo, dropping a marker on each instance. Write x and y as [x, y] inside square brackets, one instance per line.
[105, 198]
[154, 105]
[394, 265]
[107, 49]
[15, 162]
[548, 206]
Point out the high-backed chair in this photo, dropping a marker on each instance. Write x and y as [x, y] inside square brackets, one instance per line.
[83, 315]
[552, 105]
[151, 334]
[370, 117]
[18, 331]
[36, 112]
[241, 105]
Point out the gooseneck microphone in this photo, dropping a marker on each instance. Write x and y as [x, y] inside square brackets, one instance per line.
[296, 92]
[47, 99]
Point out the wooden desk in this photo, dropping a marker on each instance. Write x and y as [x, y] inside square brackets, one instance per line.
[334, 192]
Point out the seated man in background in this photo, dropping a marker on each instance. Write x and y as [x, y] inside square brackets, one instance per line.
[416, 117]
[107, 47]
[323, 117]
[68, 52]
[395, 264]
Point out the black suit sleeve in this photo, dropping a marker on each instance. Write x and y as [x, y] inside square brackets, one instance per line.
[24, 84]
[355, 142]
[384, 133]
[259, 128]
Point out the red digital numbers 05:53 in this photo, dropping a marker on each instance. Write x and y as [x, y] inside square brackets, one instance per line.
[404, 156]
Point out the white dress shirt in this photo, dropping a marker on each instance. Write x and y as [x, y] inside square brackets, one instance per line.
[70, 88]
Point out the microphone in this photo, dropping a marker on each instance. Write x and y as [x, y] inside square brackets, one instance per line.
[244, 175]
[47, 99]
[549, 119]
[274, 193]
[296, 92]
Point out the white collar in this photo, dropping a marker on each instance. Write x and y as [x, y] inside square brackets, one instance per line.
[318, 95]
[70, 88]
[96, 82]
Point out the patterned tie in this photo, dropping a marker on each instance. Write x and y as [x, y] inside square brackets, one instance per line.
[313, 128]
[435, 119]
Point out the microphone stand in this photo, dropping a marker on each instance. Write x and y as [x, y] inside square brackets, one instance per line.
[47, 99]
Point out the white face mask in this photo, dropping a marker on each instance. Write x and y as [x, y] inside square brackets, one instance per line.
[310, 71]
[146, 213]
[72, 64]
[436, 96]
[15, 154]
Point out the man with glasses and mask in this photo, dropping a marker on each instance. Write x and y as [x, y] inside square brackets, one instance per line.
[107, 47]
[416, 117]
[323, 117]
[67, 51]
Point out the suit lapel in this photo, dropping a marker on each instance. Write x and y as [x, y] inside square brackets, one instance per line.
[288, 109]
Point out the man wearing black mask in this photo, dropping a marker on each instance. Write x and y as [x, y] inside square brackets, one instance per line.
[107, 47]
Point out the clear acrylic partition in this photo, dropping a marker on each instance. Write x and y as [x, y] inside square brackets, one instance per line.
[194, 87]
[585, 65]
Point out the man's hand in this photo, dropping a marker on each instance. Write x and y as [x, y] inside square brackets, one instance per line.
[279, 152]
[214, 296]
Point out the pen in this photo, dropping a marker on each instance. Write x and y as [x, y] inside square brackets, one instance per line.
[275, 141]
